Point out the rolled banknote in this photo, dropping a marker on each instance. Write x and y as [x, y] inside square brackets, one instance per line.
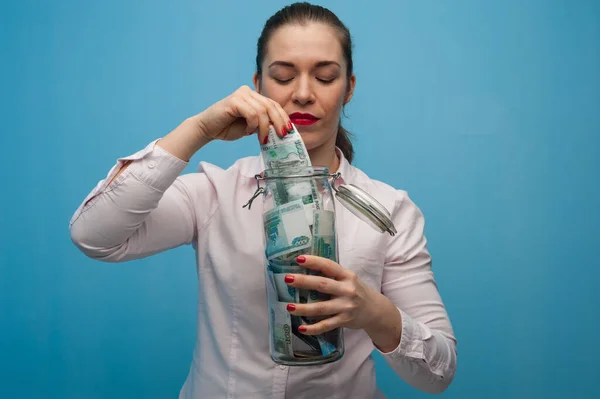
[289, 153]
[279, 268]
[323, 243]
[281, 324]
[286, 229]
[284, 152]
[291, 190]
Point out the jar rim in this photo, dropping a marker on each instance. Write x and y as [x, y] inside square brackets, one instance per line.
[296, 172]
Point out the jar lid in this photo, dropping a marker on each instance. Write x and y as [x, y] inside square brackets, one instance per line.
[365, 207]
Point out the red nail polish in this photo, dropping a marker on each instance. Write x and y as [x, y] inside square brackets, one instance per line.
[266, 140]
[289, 279]
[283, 131]
[302, 329]
[290, 127]
[301, 259]
[291, 307]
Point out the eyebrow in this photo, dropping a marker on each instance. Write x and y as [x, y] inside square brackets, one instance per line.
[318, 64]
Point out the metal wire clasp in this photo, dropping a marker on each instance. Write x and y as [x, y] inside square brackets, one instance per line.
[335, 176]
[259, 190]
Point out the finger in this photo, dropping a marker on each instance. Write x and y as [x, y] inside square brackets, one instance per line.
[263, 118]
[325, 266]
[277, 117]
[285, 117]
[249, 113]
[326, 285]
[316, 309]
[324, 325]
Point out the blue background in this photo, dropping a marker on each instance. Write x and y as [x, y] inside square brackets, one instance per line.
[487, 113]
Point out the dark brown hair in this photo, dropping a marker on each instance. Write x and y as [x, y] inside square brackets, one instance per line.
[302, 13]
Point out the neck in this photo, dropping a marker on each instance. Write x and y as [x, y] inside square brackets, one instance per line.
[325, 155]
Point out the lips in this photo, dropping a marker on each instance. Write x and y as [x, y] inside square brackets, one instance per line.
[303, 119]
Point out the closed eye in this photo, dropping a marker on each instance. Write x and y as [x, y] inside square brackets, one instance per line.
[326, 81]
[283, 81]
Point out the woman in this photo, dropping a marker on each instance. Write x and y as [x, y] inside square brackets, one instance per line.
[384, 295]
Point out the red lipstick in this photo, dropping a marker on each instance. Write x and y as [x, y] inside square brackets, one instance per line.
[303, 119]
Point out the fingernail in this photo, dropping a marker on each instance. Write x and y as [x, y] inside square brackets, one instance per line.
[266, 140]
[291, 307]
[289, 278]
[283, 131]
[301, 259]
[302, 329]
[290, 127]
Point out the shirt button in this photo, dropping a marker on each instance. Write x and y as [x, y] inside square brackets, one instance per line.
[151, 164]
[282, 367]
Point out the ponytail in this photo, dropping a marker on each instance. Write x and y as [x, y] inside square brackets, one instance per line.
[343, 142]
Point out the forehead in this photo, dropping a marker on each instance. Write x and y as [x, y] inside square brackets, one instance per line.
[301, 44]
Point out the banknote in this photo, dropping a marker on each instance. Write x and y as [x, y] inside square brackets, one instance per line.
[290, 154]
[281, 328]
[285, 268]
[304, 345]
[284, 152]
[312, 296]
[286, 229]
[325, 346]
[290, 258]
[285, 191]
[324, 243]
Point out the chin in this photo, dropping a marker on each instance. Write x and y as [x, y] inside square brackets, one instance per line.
[313, 139]
[310, 141]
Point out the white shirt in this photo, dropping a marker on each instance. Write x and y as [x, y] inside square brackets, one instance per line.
[149, 208]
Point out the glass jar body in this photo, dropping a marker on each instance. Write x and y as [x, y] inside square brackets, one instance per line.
[299, 219]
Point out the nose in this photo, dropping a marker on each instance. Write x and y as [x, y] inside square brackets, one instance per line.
[303, 91]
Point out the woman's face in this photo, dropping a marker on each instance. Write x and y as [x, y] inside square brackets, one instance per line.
[305, 72]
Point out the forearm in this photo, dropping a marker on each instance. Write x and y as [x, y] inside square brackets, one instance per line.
[182, 142]
[424, 358]
[386, 329]
[186, 139]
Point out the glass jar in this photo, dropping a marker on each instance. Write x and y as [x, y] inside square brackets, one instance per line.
[299, 219]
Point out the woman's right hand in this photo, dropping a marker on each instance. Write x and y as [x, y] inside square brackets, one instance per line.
[242, 113]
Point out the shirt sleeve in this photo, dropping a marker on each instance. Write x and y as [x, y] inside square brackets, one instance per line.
[426, 355]
[147, 209]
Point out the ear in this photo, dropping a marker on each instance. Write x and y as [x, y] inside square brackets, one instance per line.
[256, 81]
[350, 89]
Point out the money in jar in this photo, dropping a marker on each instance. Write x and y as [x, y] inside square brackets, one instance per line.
[303, 223]
[299, 219]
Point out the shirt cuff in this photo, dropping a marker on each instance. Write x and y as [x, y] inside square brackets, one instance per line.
[154, 166]
[411, 341]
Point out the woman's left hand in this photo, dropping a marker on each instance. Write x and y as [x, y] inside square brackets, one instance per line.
[353, 304]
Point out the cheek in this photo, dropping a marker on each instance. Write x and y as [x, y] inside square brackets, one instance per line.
[332, 103]
[275, 92]
[333, 98]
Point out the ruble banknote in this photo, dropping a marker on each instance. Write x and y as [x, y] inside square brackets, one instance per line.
[286, 229]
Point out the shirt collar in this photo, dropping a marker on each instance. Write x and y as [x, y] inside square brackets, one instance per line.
[257, 167]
